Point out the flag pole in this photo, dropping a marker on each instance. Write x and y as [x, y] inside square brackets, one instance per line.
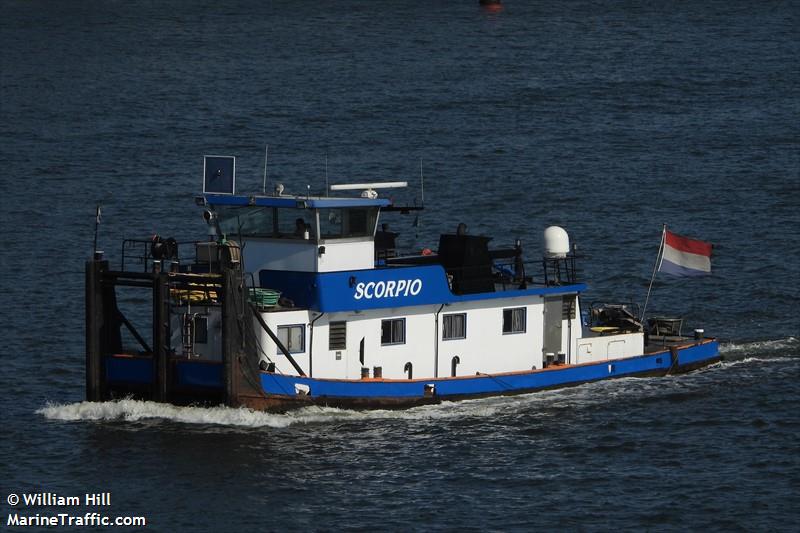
[655, 269]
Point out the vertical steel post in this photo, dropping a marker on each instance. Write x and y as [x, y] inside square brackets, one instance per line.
[161, 336]
[94, 327]
[231, 334]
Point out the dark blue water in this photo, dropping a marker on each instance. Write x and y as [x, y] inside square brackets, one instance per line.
[608, 118]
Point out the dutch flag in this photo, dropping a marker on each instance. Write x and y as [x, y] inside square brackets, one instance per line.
[682, 256]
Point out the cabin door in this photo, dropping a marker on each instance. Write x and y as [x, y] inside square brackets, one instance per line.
[552, 326]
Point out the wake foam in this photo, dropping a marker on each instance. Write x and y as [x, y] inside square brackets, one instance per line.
[787, 346]
[127, 410]
[136, 410]
[730, 362]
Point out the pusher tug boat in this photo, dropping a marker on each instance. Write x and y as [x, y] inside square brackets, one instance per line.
[295, 300]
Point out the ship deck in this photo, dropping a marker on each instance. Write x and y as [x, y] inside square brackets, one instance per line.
[665, 342]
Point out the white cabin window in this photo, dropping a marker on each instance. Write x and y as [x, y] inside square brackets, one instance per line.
[514, 320]
[393, 331]
[454, 326]
[348, 222]
[277, 223]
[293, 338]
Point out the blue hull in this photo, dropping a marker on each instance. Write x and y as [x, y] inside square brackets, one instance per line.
[399, 392]
[204, 382]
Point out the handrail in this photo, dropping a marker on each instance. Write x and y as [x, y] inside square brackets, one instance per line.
[143, 255]
[276, 340]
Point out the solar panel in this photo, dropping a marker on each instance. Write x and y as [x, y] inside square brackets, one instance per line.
[219, 174]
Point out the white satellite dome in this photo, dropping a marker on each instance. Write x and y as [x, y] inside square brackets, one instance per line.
[556, 242]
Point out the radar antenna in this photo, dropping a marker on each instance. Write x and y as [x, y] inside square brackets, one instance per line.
[368, 189]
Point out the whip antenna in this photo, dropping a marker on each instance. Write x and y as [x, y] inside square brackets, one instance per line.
[266, 158]
[421, 182]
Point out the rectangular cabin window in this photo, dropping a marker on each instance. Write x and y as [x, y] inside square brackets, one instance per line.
[247, 221]
[454, 326]
[347, 222]
[293, 338]
[337, 335]
[270, 222]
[393, 331]
[514, 320]
[201, 329]
[294, 223]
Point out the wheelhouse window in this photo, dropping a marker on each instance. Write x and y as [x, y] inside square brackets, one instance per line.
[454, 326]
[293, 338]
[269, 222]
[246, 221]
[295, 223]
[393, 331]
[340, 223]
[514, 320]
